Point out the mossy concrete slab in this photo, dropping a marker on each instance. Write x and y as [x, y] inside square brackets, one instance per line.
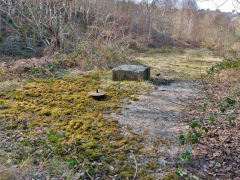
[131, 73]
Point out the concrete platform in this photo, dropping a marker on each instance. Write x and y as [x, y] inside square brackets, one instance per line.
[131, 73]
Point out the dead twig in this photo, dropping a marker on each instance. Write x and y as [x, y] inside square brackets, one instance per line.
[86, 171]
[136, 166]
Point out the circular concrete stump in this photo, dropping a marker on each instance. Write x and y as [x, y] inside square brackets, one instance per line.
[98, 94]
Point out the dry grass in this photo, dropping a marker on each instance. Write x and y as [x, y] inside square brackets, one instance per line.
[192, 63]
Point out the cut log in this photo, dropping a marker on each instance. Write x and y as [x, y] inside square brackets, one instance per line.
[131, 73]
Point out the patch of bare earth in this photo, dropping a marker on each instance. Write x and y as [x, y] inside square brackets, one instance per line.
[159, 115]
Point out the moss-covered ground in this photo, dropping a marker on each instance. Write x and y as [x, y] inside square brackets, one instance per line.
[56, 122]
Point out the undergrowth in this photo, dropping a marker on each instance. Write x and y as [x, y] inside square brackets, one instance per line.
[219, 110]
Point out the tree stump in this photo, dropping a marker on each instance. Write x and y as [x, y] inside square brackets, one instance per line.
[131, 73]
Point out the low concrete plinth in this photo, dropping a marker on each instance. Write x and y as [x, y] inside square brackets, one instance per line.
[131, 73]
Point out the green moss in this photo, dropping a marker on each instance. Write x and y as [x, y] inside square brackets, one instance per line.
[127, 171]
[93, 155]
[148, 178]
[171, 176]
[122, 156]
[45, 112]
[118, 112]
[91, 145]
[153, 165]
[134, 98]
[2, 94]
[64, 107]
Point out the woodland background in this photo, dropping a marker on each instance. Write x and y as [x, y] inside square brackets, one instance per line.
[106, 29]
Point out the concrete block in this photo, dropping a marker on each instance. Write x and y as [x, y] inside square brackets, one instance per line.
[131, 73]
